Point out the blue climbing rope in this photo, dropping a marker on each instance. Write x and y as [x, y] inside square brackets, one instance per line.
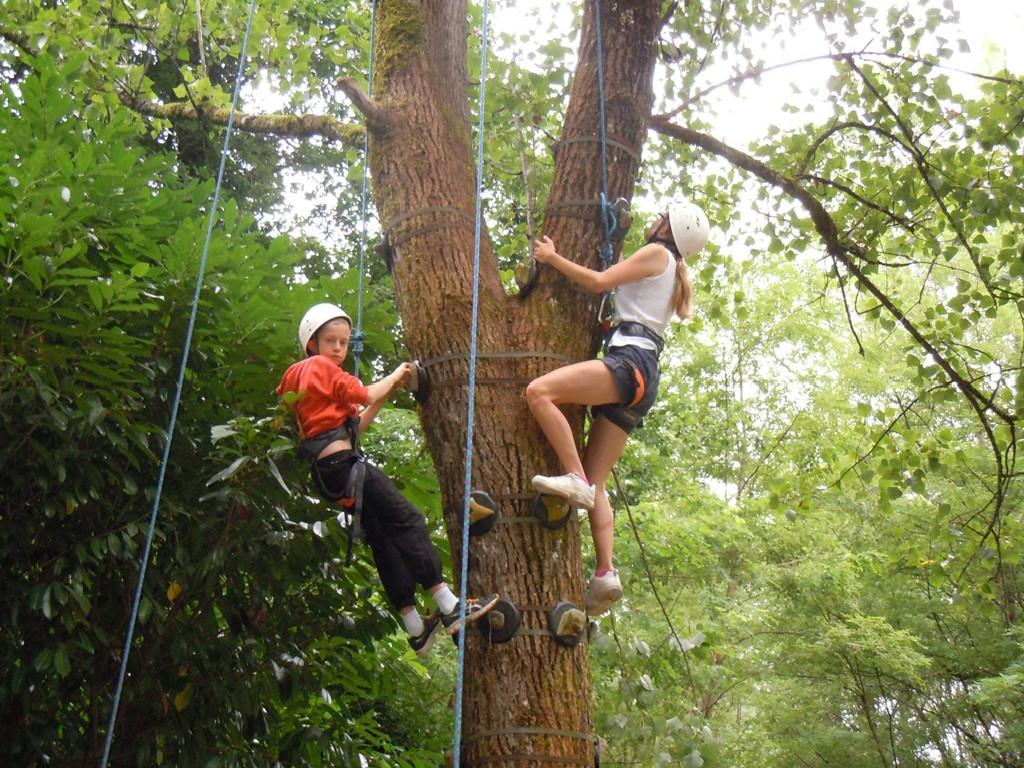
[608, 217]
[177, 400]
[467, 487]
[356, 341]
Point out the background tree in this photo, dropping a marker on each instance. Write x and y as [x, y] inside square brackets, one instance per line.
[910, 188]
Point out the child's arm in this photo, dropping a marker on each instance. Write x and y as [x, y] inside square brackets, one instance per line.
[648, 261]
[379, 392]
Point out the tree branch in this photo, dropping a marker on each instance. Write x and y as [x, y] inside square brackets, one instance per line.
[849, 56]
[895, 218]
[18, 40]
[922, 167]
[837, 127]
[836, 247]
[378, 119]
[296, 126]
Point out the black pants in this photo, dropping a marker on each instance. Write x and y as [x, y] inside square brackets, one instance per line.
[395, 530]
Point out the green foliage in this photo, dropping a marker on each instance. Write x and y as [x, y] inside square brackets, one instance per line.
[255, 645]
[811, 522]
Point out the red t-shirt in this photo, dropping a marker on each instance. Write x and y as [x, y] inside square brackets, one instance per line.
[329, 395]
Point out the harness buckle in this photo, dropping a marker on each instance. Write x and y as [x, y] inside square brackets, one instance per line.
[631, 328]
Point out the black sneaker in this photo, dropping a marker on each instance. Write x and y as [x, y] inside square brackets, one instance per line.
[421, 643]
[476, 607]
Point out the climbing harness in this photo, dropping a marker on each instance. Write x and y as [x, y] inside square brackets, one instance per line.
[351, 496]
[151, 530]
[356, 342]
[631, 328]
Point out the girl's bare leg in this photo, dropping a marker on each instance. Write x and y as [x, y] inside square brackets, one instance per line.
[587, 383]
[604, 447]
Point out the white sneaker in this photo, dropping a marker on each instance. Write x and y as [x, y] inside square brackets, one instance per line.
[602, 592]
[570, 486]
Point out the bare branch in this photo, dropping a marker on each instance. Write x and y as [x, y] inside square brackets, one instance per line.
[666, 17]
[846, 307]
[199, 37]
[763, 458]
[378, 119]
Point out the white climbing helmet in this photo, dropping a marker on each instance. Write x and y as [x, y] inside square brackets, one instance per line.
[317, 316]
[689, 226]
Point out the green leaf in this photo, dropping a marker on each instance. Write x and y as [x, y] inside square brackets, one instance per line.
[46, 604]
[230, 470]
[95, 296]
[277, 476]
[183, 697]
[145, 609]
[35, 270]
[61, 662]
[221, 431]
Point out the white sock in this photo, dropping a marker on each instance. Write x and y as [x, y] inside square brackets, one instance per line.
[413, 623]
[445, 599]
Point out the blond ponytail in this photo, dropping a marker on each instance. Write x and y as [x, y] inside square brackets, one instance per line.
[682, 299]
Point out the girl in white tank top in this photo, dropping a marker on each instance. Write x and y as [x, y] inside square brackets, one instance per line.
[650, 285]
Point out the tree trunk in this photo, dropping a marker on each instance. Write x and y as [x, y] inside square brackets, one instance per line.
[421, 157]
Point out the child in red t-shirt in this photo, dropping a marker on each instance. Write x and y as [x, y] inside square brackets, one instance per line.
[333, 407]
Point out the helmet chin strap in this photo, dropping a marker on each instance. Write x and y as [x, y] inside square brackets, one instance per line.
[668, 242]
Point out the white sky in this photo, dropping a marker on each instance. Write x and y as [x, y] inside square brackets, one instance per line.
[993, 29]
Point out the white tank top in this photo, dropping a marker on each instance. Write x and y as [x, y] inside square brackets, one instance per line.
[648, 301]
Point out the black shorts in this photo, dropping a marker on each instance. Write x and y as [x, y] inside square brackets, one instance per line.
[636, 375]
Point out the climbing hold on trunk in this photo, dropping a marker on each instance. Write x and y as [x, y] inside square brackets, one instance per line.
[552, 511]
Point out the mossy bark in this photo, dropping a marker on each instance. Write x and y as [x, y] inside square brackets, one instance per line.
[425, 160]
